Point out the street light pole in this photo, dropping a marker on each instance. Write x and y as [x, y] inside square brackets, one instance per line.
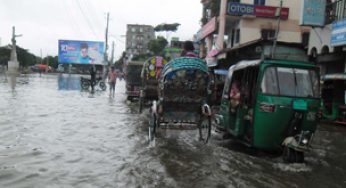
[277, 30]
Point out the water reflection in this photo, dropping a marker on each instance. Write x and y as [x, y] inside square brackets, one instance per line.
[68, 82]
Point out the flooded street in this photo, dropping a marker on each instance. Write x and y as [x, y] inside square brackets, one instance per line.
[54, 135]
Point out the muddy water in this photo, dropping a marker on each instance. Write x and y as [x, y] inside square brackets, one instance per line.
[54, 135]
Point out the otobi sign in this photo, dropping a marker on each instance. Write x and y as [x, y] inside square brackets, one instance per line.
[239, 9]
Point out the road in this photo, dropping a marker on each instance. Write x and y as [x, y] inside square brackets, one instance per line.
[54, 135]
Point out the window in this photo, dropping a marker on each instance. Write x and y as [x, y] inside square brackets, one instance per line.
[259, 2]
[290, 82]
[269, 82]
[133, 30]
[141, 30]
[237, 38]
[305, 39]
[267, 34]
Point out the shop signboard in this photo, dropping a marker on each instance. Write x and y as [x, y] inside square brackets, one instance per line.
[338, 36]
[313, 13]
[239, 9]
[207, 29]
[271, 12]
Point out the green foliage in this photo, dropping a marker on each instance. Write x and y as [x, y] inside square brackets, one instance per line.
[120, 62]
[25, 58]
[167, 27]
[51, 61]
[158, 45]
[141, 57]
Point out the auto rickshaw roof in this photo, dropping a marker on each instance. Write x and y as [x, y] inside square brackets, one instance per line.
[336, 76]
[244, 64]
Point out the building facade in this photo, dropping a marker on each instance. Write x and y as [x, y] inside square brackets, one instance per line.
[138, 38]
[238, 22]
[327, 44]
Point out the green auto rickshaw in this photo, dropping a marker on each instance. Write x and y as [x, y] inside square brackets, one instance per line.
[271, 104]
[333, 98]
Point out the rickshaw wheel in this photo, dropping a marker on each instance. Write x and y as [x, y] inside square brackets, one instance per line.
[152, 126]
[205, 129]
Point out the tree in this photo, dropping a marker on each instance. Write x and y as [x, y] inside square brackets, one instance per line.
[51, 61]
[25, 58]
[157, 45]
[167, 28]
[120, 63]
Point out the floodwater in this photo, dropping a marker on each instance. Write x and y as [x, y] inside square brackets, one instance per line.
[54, 135]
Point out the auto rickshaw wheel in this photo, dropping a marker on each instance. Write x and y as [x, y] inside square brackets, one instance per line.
[205, 129]
[152, 126]
[299, 157]
[289, 155]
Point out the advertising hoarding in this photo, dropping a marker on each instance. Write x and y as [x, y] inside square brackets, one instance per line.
[313, 13]
[81, 52]
[239, 9]
[338, 36]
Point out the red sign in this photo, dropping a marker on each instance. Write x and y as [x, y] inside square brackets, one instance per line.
[208, 28]
[270, 12]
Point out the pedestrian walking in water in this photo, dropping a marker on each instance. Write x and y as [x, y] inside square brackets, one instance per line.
[188, 50]
[112, 78]
[92, 78]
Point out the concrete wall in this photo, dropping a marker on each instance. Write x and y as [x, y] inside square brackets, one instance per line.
[320, 37]
[290, 31]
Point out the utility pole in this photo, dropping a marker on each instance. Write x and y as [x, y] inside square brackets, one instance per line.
[112, 55]
[106, 62]
[277, 30]
[106, 41]
[41, 56]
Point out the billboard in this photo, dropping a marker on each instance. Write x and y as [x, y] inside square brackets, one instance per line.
[313, 12]
[338, 33]
[81, 52]
[239, 9]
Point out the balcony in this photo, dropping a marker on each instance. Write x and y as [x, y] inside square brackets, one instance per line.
[335, 11]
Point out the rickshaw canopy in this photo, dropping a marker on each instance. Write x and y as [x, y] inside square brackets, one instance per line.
[185, 63]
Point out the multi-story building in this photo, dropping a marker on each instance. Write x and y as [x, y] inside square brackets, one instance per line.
[138, 38]
[231, 23]
[327, 44]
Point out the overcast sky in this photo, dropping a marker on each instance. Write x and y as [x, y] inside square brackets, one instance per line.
[44, 22]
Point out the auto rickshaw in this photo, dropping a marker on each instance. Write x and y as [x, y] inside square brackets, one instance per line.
[182, 100]
[132, 73]
[271, 104]
[150, 74]
[333, 98]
